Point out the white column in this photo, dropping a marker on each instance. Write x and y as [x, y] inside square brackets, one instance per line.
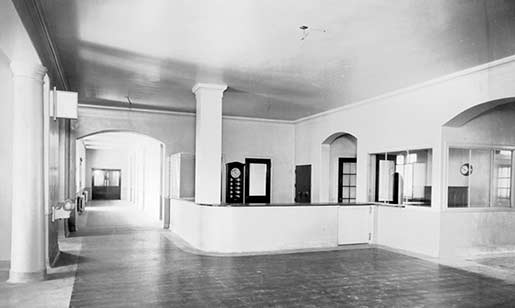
[28, 220]
[208, 143]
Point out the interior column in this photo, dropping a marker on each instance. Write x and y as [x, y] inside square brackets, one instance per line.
[208, 143]
[28, 220]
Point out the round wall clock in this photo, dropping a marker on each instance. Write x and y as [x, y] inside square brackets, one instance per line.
[235, 172]
[466, 169]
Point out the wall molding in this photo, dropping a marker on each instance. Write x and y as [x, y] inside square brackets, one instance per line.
[418, 86]
[34, 21]
[181, 113]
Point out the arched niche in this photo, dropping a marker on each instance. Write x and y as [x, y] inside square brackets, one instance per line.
[471, 113]
[336, 147]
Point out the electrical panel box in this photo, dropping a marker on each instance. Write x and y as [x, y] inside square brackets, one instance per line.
[234, 188]
[64, 104]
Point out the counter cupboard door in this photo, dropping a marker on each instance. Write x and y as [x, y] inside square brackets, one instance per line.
[355, 224]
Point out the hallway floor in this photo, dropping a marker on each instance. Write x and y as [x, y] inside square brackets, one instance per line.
[126, 261]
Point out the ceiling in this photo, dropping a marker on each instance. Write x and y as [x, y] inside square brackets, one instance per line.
[154, 51]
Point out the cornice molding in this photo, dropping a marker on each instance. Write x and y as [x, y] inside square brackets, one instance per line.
[429, 83]
[34, 21]
[30, 70]
[209, 86]
[178, 113]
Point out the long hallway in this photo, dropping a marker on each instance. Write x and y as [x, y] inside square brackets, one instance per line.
[127, 262]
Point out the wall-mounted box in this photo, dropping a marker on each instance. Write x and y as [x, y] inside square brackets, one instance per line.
[64, 104]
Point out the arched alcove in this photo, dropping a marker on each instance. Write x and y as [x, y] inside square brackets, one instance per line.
[338, 168]
[471, 113]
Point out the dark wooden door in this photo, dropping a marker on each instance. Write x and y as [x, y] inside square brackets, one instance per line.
[257, 180]
[303, 184]
[106, 184]
[347, 180]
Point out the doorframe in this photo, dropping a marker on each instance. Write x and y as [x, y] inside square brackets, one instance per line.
[105, 169]
[258, 199]
[341, 161]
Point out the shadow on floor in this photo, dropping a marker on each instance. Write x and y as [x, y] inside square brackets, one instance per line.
[66, 259]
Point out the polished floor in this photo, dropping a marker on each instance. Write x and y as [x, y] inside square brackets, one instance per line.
[136, 265]
[119, 258]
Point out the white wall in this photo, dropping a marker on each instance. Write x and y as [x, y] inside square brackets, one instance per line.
[257, 139]
[6, 89]
[414, 229]
[469, 232]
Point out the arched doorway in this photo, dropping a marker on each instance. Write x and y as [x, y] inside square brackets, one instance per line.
[122, 165]
[338, 168]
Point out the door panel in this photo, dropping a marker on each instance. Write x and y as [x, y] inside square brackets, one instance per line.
[303, 184]
[106, 184]
[354, 224]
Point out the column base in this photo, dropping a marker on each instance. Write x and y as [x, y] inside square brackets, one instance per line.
[17, 277]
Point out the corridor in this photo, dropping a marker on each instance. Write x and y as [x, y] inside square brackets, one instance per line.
[127, 262]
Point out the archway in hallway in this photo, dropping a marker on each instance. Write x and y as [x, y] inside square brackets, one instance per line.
[125, 166]
[338, 168]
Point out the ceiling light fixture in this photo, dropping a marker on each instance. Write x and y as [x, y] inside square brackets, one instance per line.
[306, 30]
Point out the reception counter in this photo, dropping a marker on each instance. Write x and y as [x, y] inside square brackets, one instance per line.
[231, 228]
[430, 231]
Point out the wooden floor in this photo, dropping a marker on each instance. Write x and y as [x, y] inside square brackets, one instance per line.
[128, 265]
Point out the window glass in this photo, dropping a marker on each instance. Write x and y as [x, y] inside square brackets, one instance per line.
[502, 174]
[404, 177]
[479, 178]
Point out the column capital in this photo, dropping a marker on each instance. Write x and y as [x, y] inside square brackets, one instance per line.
[209, 86]
[29, 70]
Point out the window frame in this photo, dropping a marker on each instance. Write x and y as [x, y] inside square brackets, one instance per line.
[476, 146]
[373, 173]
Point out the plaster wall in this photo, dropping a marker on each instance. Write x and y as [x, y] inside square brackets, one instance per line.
[256, 139]
[415, 229]
[471, 232]
[6, 97]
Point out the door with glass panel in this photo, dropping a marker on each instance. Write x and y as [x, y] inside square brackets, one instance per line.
[347, 180]
[257, 180]
[106, 184]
